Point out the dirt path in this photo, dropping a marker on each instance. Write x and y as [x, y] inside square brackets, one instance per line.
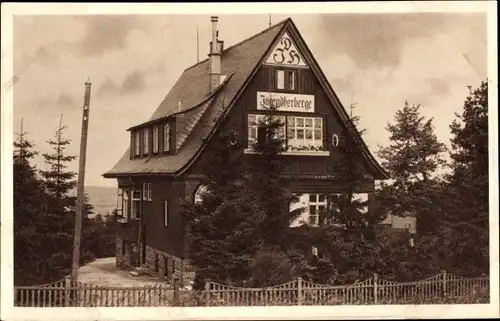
[103, 272]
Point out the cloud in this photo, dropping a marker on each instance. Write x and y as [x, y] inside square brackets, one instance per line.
[105, 33]
[107, 87]
[65, 100]
[377, 40]
[132, 83]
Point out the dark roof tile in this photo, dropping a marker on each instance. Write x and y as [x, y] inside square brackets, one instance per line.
[237, 62]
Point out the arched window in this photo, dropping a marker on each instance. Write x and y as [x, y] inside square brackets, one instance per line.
[199, 192]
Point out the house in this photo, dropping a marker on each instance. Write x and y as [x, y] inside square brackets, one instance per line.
[234, 85]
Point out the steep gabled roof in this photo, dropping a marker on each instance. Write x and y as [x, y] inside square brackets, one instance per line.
[192, 89]
[240, 63]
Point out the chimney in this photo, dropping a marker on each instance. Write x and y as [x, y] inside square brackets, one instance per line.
[216, 48]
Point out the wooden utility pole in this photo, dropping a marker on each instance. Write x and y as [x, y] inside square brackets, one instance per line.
[80, 201]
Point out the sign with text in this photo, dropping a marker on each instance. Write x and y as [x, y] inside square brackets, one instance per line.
[285, 102]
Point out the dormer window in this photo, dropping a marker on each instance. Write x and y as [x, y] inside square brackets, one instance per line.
[166, 138]
[137, 143]
[156, 133]
[146, 141]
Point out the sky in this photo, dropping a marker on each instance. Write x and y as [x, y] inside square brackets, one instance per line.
[374, 60]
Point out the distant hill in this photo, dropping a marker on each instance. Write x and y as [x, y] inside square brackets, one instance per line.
[102, 198]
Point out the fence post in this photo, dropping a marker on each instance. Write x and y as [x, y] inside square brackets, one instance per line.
[375, 288]
[67, 290]
[176, 290]
[445, 276]
[299, 291]
[207, 293]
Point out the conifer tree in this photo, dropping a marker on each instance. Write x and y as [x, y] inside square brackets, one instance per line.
[59, 183]
[347, 240]
[412, 158]
[467, 219]
[221, 229]
[266, 180]
[29, 213]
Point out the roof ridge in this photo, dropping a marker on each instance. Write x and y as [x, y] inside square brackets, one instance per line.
[243, 41]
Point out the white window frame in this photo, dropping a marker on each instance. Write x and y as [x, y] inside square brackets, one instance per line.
[165, 213]
[293, 125]
[156, 133]
[137, 143]
[122, 205]
[134, 202]
[166, 138]
[318, 205]
[254, 125]
[280, 79]
[150, 191]
[145, 138]
[146, 192]
[311, 125]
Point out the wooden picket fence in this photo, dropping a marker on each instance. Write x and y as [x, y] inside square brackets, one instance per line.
[67, 294]
[371, 291]
[297, 292]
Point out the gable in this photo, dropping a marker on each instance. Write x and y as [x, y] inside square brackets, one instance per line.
[285, 53]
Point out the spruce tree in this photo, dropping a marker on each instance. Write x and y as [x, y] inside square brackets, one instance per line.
[30, 206]
[221, 229]
[412, 158]
[267, 185]
[60, 183]
[468, 199]
[347, 238]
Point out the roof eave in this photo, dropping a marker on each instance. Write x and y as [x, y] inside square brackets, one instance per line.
[330, 92]
[209, 96]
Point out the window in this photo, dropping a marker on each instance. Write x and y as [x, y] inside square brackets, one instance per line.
[314, 205]
[146, 141]
[137, 143]
[119, 203]
[290, 80]
[125, 205]
[122, 205]
[317, 205]
[200, 191]
[173, 266]
[146, 191]
[302, 133]
[285, 79]
[165, 212]
[166, 138]
[156, 132]
[280, 79]
[150, 192]
[256, 131]
[136, 205]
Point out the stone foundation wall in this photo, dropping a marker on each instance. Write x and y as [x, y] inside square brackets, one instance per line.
[158, 263]
[166, 265]
[123, 254]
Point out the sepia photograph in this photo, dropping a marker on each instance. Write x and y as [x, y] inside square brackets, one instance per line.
[209, 156]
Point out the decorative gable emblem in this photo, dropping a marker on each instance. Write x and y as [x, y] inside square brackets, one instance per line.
[285, 53]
